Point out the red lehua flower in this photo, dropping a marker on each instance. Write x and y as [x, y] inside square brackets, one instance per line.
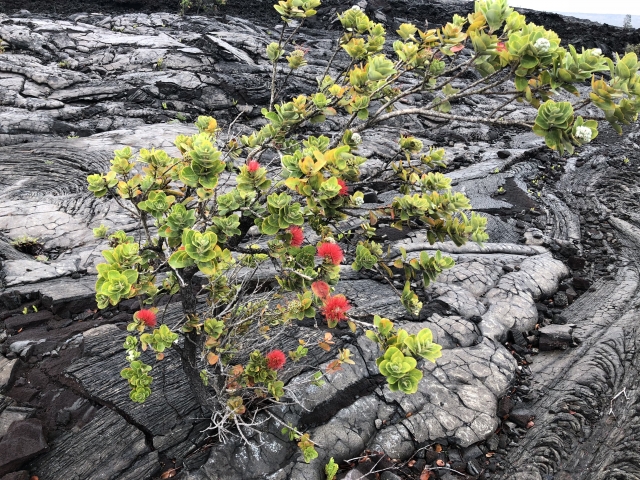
[344, 190]
[321, 289]
[276, 359]
[252, 166]
[297, 236]
[335, 308]
[501, 47]
[147, 317]
[331, 251]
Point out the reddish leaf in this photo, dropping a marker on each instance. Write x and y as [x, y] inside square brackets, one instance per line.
[457, 48]
[169, 473]
[437, 448]
[440, 462]
[425, 475]
[212, 358]
[321, 289]
[334, 366]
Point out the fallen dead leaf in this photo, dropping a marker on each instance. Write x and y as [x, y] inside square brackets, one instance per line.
[411, 463]
[440, 462]
[169, 473]
[437, 448]
[530, 424]
[425, 475]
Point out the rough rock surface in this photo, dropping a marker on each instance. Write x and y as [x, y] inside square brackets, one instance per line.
[76, 88]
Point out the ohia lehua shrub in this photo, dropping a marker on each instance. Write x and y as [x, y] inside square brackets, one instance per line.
[196, 209]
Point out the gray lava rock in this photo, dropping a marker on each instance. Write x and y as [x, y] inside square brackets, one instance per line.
[108, 445]
[23, 441]
[555, 337]
[7, 369]
[581, 283]
[20, 475]
[12, 414]
[521, 417]
[505, 405]
[560, 299]
[33, 319]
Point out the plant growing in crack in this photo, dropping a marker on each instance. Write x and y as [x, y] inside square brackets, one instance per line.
[204, 5]
[195, 210]
[29, 245]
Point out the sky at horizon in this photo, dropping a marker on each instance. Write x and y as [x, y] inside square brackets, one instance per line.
[621, 7]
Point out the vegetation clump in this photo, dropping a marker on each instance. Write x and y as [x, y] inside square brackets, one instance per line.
[303, 194]
[29, 245]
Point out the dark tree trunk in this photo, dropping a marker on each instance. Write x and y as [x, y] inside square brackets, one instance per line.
[190, 352]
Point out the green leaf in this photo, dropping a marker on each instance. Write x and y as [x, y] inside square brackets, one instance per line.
[330, 469]
[180, 259]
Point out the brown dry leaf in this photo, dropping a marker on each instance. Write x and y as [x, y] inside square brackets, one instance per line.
[169, 473]
[34, 477]
[489, 454]
[324, 346]
[411, 463]
[159, 356]
[440, 462]
[437, 448]
[334, 366]
[212, 358]
[409, 414]
[237, 370]
[425, 475]
[19, 330]
[530, 424]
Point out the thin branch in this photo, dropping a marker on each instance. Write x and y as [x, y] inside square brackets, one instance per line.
[502, 105]
[426, 112]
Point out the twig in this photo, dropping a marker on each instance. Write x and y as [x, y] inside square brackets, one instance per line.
[446, 116]
[621, 392]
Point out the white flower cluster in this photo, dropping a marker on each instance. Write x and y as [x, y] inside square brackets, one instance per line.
[356, 138]
[358, 200]
[356, 7]
[597, 52]
[542, 45]
[583, 134]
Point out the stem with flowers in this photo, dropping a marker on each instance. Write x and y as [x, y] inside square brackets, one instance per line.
[198, 207]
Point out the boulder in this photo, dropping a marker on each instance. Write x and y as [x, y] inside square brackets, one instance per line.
[23, 441]
[7, 368]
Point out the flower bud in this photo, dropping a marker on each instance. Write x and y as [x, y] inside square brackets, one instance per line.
[542, 45]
